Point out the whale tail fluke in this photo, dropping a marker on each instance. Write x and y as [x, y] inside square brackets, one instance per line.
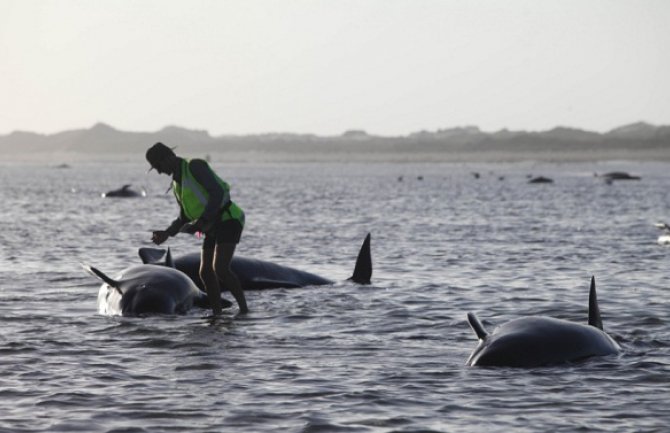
[151, 256]
[363, 269]
[98, 273]
[477, 326]
[594, 310]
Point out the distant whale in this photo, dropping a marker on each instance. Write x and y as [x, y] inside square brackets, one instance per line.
[259, 274]
[149, 289]
[124, 191]
[541, 179]
[537, 341]
[663, 239]
[616, 175]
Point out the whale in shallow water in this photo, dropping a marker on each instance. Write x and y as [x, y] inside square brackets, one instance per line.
[541, 179]
[257, 274]
[616, 175]
[124, 192]
[663, 239]
[149, 289]
[539, 341]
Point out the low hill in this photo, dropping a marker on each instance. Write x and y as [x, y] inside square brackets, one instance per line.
[638, 141]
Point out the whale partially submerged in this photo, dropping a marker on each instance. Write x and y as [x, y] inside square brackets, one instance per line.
[540, 341]
[663, 239]
[611, 176]
[541, 179]
[124, 192]
[149, 289]
[255, 274]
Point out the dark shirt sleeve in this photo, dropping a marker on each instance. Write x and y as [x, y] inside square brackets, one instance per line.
[177, 224]
[217, 196]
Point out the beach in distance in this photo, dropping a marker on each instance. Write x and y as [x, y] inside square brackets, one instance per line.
[638, 141]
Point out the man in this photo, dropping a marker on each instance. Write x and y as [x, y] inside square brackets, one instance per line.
[205, 206]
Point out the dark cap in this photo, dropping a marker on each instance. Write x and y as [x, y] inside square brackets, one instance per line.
[157, 153]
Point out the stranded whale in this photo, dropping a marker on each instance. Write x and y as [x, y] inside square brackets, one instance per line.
[124, 192]
[537, 341]
[149, 289]
[541, 179]
[259, 274]
[616, 175]
[664, 239]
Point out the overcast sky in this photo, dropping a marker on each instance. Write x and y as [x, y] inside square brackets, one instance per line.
[390, 67]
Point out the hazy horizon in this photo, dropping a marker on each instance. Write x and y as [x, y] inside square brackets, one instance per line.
[336, 134]
[388, 67]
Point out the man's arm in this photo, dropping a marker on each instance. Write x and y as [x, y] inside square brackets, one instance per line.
[160, 236]
[177, 224]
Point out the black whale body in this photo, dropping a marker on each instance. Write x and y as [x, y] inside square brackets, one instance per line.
[124, 192]
[541, 179]
[617, 175]
[142, 290]
[255, 274]
[541, 341]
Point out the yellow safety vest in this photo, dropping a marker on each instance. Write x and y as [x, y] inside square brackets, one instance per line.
[192, 197]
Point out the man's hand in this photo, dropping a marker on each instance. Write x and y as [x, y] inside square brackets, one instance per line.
[159, 236]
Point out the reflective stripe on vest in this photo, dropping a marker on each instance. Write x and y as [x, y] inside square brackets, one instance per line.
[192, 197]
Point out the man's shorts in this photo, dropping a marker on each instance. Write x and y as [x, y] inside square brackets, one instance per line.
[223, 232]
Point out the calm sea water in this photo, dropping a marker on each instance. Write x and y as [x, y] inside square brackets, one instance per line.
[341, 358]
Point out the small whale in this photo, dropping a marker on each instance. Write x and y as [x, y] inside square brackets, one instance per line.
[541, 179]
[616, 175]
[142, 290]
[663, 239]
[539, 341]
[255, 274]
[124, 191]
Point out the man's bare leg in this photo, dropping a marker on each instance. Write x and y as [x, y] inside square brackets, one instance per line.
[211, 283]
[222, 258]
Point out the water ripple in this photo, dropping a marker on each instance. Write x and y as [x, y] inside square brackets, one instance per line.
[388, 357]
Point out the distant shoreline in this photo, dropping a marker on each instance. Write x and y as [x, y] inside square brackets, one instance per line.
[635, 142]
[56, 158]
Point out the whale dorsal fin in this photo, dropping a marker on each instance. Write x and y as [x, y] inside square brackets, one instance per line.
[594, 311]
[168, 259]
[363, 269]
[477, 326]
[98, 273]
[151, 256]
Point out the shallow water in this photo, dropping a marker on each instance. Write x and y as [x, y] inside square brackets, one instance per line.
[347, 358]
